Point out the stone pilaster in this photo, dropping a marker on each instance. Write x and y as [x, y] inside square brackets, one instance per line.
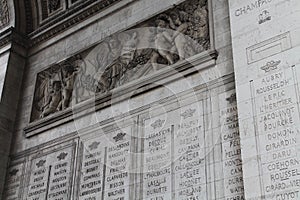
[12, 65]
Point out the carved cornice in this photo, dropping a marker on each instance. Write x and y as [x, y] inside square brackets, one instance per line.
[10, 35]
[65, 19]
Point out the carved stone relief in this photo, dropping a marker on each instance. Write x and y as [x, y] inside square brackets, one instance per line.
[172, 36]
[4, 13]
[53, 5]
[49, 7]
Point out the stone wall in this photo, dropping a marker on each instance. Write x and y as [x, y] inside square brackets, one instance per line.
[174, 135]
[266, 42]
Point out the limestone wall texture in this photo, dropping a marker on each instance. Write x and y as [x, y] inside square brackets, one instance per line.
[171, 133]
[265, 36]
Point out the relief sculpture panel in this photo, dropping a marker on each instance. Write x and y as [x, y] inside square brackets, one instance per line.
[163, 40]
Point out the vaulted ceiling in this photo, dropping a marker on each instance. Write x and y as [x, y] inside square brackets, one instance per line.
[42, 19]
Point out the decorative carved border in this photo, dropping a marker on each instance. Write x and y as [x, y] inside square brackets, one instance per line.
[4, 13]
[56, 24]
[11, 35]
[45, 16]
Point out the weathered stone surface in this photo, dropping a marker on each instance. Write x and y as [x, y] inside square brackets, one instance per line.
[106, 166]
[14, 181]
[267, 69]
[50, 175]
[165, 131]
[172, 36]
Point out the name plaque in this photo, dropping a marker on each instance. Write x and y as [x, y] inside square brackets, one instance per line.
[174, 155]
[189, 154]
[14, 180]
[265, 46]
[105, 166]
[231, 154]
[277, 120]
[157, 164]
[117, 175]
[92, 166]
[51, 175]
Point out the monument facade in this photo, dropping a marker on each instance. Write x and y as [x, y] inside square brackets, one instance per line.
[266, 70]
[156, 100]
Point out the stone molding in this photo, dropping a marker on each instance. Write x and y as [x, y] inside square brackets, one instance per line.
[194, 64]
[10, 35]
[56, 24]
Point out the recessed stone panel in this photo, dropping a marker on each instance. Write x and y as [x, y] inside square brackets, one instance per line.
[231, 147]
[105, 166]
[91, 170]
[118, 165]
[14, 181]
[175, 154]
[267, 71]
[51, 174]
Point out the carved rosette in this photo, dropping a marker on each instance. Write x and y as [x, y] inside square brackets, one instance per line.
[4, 13]
[174, 35]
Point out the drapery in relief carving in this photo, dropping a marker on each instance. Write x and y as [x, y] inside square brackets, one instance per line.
[172, 36]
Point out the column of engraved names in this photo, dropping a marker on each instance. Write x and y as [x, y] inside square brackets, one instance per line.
[157, 181]
[60, 175]
[92, 166]
[189, 154]
[51, 175]
[232, 162]
[14, 182]
[38, 182]
[277, 126]
[117, 167]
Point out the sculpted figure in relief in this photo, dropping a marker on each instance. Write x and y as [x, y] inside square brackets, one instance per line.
[84, 84]
[164, 42]
[112, 60]
[107, 66]
[174, 35]
[200, 26]
[55, 97]
[179, 24]
[69, 75]
[55, 88]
